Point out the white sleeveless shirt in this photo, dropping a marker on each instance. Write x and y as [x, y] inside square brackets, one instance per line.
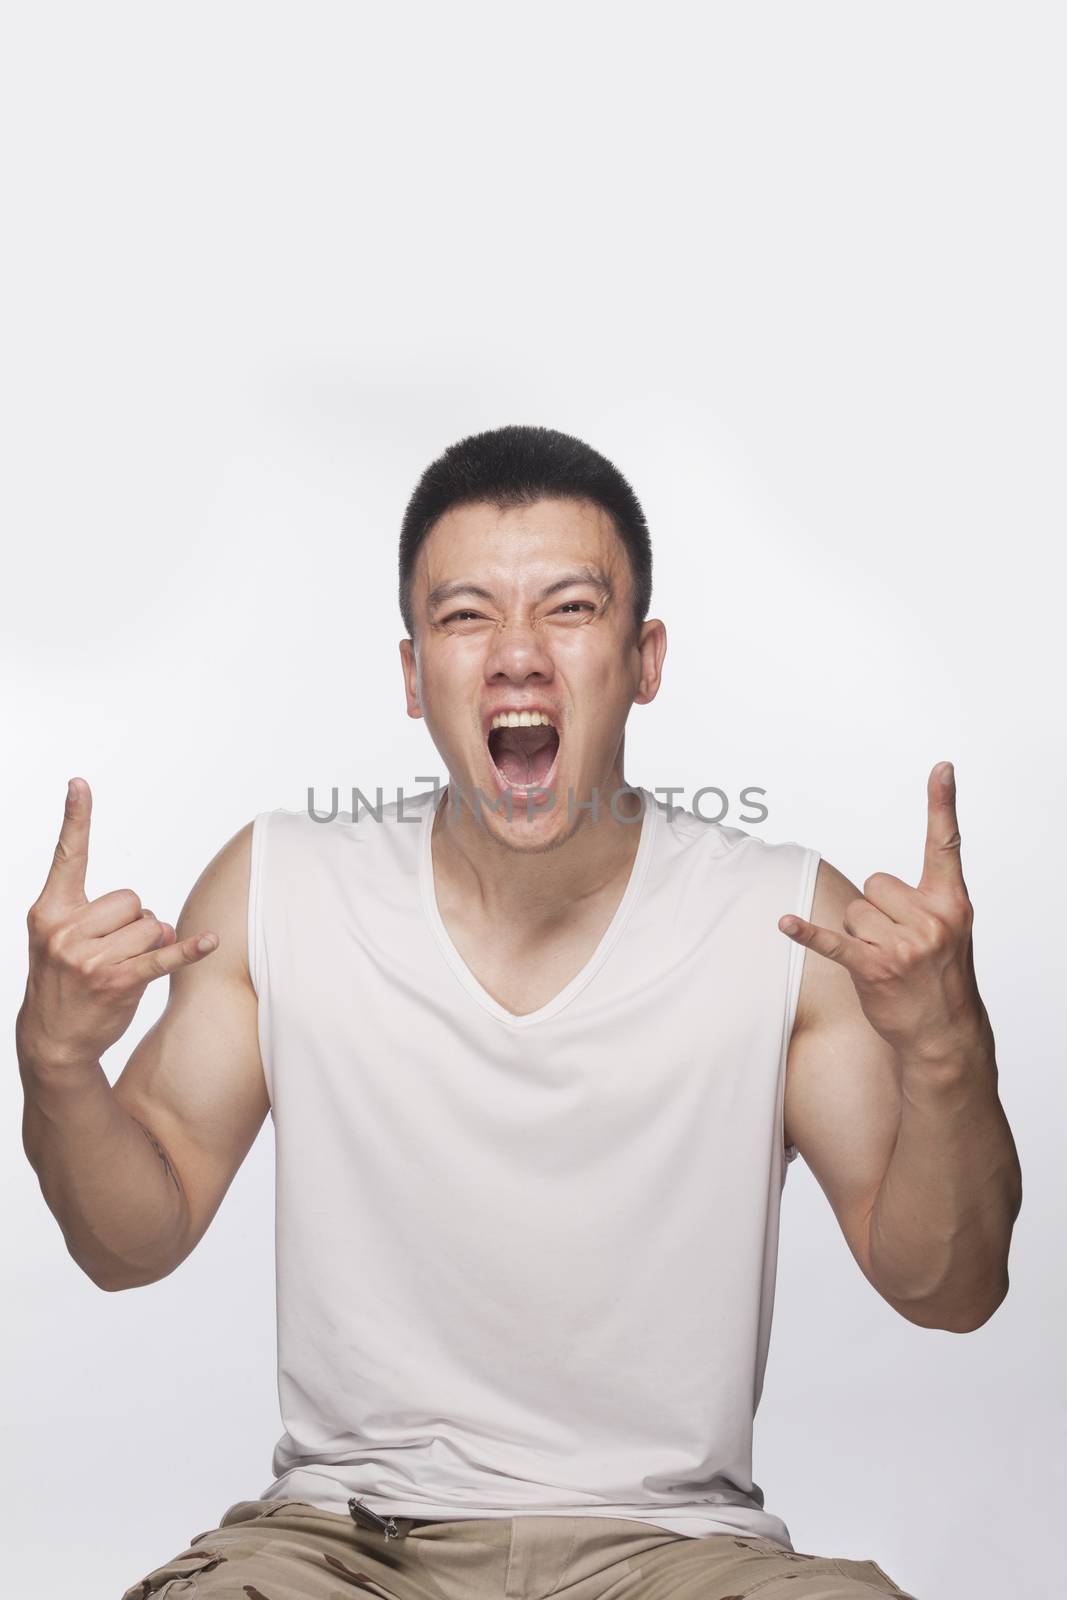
[525, 1265]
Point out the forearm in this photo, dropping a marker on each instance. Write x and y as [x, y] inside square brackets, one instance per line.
[105, 1179]
[940, 1228]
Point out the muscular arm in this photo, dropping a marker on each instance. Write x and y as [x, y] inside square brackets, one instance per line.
[135, 1172]
[924, 1186]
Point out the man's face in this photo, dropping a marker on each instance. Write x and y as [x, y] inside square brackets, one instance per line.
[529, 607]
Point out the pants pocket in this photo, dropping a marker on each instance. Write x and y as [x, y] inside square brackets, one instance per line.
[873, 1572]
[173, 1574]
[252, 1510]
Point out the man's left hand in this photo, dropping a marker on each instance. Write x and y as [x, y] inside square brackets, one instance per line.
[908, 951]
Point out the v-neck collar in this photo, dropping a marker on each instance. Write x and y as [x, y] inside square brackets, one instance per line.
[428, 897]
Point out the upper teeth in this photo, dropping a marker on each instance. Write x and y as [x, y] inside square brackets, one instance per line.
[520, 719]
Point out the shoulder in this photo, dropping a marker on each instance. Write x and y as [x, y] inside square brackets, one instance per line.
[833, 891]
[225, 878]
[373, 835]
[693, 837]
[217, 901]
[826, 987]
[324, 818]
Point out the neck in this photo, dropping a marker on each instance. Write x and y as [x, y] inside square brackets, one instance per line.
[533, 888]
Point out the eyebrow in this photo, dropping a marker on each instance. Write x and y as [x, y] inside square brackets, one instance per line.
[449, 591]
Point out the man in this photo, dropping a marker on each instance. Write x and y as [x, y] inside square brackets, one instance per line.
[537, 1051]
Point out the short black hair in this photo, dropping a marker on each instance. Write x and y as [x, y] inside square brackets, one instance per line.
[518, 465]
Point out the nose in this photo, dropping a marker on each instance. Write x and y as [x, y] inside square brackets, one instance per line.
[517, 654]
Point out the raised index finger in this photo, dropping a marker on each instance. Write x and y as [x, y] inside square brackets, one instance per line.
[65, 883]
[941, 861]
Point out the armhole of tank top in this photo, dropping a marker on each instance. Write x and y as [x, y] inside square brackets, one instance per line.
[257, 964]
[255, 899]
[805, 895]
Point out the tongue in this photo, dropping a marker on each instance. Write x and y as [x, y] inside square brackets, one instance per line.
[524, 755]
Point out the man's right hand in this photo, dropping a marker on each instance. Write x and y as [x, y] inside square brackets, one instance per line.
[90, 960]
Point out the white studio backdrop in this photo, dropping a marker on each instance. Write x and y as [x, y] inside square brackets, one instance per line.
[798, 271]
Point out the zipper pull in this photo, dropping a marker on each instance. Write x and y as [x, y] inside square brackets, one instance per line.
[370, 1519]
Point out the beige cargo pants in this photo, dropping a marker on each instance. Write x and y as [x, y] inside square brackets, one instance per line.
[288, 1550]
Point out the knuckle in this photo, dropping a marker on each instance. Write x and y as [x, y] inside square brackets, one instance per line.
[149, 967]
[958, 907]
[875, 881]
[129, 900]
[67, 855]
[57, 946]
[97, 975]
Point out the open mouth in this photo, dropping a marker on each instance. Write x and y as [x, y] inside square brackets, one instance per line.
[524, 758]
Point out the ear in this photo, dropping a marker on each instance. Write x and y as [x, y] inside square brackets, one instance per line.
[652, 647]
[410, 668]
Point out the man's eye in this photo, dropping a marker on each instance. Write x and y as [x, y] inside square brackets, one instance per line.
[460, 616]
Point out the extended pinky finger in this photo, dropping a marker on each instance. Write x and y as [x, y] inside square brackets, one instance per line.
[835, 946]
[183, 953]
